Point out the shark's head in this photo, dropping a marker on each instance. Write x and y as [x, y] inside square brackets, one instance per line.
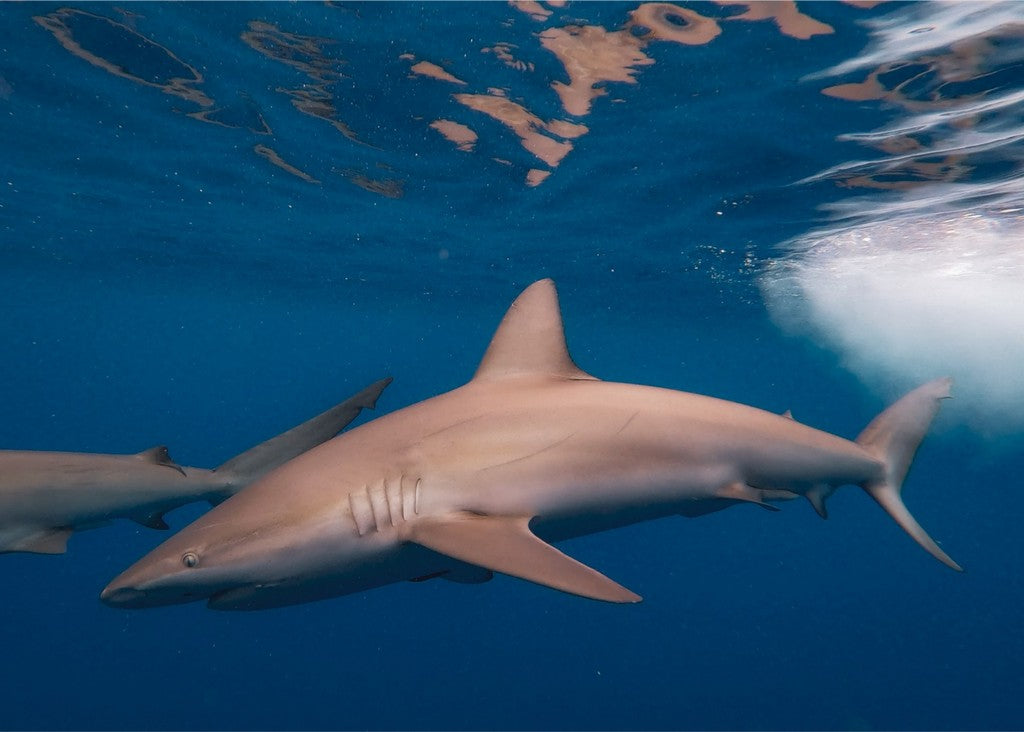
[225, 562]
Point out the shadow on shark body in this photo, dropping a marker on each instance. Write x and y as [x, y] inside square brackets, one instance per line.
[46, 496]
[483, 478]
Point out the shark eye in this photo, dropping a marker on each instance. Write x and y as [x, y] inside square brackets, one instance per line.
[189, 559]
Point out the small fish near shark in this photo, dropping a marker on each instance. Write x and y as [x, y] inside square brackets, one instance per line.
[46, 496]
[484, 478]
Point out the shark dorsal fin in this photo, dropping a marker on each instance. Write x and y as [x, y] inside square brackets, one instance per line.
[530, 339]
[159, 456]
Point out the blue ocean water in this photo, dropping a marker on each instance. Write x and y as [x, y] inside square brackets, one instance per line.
[217, 220]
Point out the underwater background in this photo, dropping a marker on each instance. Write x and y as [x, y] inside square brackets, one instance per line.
[217, 220]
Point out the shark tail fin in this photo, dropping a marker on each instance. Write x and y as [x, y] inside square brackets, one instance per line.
[893, 437]
[276, 451]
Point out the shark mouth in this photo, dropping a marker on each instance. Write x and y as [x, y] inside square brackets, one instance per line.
[247, 597]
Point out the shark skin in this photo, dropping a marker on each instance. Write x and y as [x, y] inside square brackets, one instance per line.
[483, 478]
[46, 496]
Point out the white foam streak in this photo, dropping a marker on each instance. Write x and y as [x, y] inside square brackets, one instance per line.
[999, 197]
[915, 31]
[965, 142]
[931, 120]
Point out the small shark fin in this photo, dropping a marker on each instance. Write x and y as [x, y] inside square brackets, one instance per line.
[777, 494]
[154, 520]
[506, 544]
[276, 451]
[742, 492]
[788, 414]
[48, 541]
[816, 496]
[530, 339]
[159, 456]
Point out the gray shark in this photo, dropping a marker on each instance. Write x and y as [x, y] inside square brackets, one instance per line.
[483, 478]
[47, 496]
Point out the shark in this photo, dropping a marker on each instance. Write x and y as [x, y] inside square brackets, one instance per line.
[486, 478]
[47, 496]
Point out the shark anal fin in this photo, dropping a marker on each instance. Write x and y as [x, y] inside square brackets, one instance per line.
[748, 494]
[817, 496]
[153, 520]
[159, 456]
[506, 544]
[47, 541]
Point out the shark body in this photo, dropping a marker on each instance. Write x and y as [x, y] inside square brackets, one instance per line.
[46, 496]
[481, 479]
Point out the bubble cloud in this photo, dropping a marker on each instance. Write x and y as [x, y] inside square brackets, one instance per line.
[925, 277]
[911, 299]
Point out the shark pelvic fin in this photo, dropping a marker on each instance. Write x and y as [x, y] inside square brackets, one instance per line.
[748, 494]
[893, 437]
[159, 456]
[506, 544]
[530, 339]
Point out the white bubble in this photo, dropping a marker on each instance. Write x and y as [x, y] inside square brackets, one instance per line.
[913, 298]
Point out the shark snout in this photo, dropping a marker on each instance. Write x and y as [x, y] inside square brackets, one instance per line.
[153, 584]
[122, 593]
[122, 596]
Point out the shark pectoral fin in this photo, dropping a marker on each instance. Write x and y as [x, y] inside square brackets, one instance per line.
[153, 520]
[159, 456]
[742, 492]
[47, 541]
[506, 544]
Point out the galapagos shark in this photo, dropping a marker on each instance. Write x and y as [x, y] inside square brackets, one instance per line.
[46, 496]
[484, 478]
